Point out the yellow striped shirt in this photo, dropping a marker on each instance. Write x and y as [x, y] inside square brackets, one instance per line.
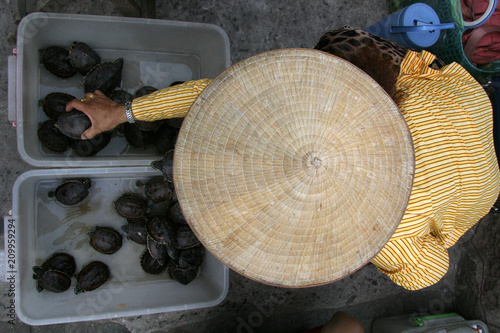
[456, 173]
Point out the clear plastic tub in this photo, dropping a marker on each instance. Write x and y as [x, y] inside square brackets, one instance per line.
[155, 52]
[43, 227]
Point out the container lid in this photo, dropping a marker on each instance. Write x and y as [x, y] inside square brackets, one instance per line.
[294, 167]
[420, 14]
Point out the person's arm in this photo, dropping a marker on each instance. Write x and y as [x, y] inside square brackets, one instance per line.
[171, 102]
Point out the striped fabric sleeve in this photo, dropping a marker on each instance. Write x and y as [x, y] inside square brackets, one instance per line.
[171, 102]
[456, 172]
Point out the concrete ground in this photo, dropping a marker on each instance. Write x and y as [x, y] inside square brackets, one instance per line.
[470, 288]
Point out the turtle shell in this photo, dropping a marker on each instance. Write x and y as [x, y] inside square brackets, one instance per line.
[105, 240]
[192, 257]
[53, 281]
[131, 206]
[185, 238]
[157, 189]
[176, 215]
[73, 124]
[136, 230]
[54, 104]
[90, 147]
[146, 90]
[175, 122]
[150, 265]
[73, 191]
[182, 275]
[149, 125]
[120, 96]
[136, 137]
[160, 229]
[61, 262]
[83, 57]
[106, 77]
[52, 138]
[165, 138]
[165, 165]
[91, 277]
[158, 251]
[56, 60]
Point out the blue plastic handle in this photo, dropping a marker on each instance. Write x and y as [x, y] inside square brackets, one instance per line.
[425, 27]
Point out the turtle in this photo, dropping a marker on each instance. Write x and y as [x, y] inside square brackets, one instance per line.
[131, 206]
[105, 240]
[165, 138]
[54, 281]
[106, 77]
[157, 189]
[158, 251]
[120, 96]
[175, 122]
[91, 277]
[72, 191]
[192, 257]
[56, 60]
[185, 238]
[136, 230]
[182, 275]
[149, 125]
[137, 137]
[146, 90]
[52, 138]
[90, 147]
[159, 229]
[165, 165]
[73, 124]
[82, 57]
[54, 104]
[60, 261]
[150, 265]
[176, 215]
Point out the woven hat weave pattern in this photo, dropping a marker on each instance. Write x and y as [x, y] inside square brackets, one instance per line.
[294, 168]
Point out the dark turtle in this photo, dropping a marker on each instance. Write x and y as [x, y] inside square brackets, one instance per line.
[176, 215]
[192, 257]
[61, 262]
[56, 60]
[73, 124]
[175, 122]
[72, 191]
[157, 189]
[185, 238]
[51, 137]
[136, 137]
[160, 229]
[83, 57]
[165, 138]
[148, 125]
[136, 230]
[150, 265]
[131, 206]
[120, 96]
[146, 90]
[91, 277]
[182, 275]
[158, 251]
[90, 147]
[106, 77]
[105, 240]
[175, 83]
[54, 281]
[165, 165]
[54, 104]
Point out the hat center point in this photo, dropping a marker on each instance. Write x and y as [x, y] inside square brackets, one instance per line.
[316, 162]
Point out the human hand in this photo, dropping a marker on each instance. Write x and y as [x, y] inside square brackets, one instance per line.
[102, 111]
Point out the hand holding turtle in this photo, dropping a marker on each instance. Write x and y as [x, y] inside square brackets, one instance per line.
[103, 112]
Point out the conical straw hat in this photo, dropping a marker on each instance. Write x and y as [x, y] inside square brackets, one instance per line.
[294, 167]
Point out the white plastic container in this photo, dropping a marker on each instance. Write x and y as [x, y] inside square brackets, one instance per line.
[155, 52]
[42, 227]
